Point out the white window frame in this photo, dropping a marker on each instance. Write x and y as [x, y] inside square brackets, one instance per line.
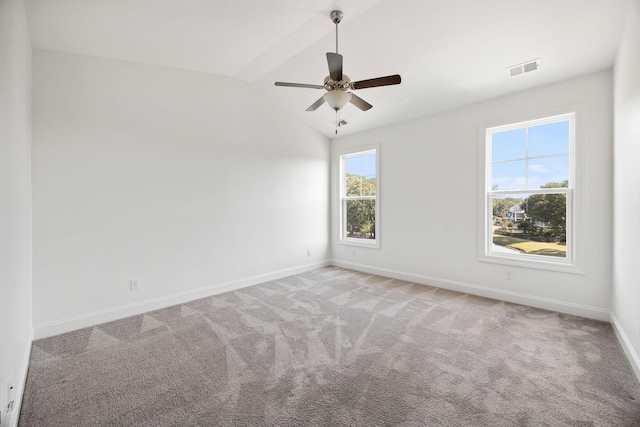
[342, 230]
[569, 264]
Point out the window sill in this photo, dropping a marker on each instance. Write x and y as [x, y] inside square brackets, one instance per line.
[362, 243]
[539, 264]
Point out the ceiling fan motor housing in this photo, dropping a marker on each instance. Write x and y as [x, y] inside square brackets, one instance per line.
[344, 84]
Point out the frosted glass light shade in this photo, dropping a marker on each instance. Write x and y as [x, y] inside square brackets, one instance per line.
[337, 98]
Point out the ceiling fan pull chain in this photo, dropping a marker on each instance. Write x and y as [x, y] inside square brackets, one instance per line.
[336, 122]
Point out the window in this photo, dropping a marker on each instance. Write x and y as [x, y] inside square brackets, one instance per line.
[529, 184]
[359, 208]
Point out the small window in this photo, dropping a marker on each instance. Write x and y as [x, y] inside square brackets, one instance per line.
[359, 219]
[528, 191]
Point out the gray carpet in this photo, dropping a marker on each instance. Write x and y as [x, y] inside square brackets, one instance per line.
[335, 347]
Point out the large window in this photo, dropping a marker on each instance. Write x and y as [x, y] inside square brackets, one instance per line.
[359, 219]
[529, 187]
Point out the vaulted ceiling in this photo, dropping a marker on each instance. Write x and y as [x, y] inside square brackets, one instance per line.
[449, 53]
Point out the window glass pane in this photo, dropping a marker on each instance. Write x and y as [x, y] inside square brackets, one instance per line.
[508, 175]
[361, 219]
[352, 165]
[534, 224]
[354, 185]
[361, 165]
[549, 172]
[368, 186]
[361, 175]
[549, 139]
[368, 165]
[509, 144]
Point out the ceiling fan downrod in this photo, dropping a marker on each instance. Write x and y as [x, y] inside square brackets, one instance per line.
[336, 17]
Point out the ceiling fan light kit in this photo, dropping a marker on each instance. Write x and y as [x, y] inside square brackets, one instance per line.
[338, 84]
[337, 99]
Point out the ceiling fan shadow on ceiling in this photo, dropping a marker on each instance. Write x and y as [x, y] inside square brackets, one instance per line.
[338, 84]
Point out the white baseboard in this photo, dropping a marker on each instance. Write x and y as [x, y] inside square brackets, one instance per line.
[514, 297]
[19, 387]
[91, 319]
[634, 360]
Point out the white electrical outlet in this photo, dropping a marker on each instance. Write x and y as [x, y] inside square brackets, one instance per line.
[308, 252]
[134, 284]
[508, 275]
[353, 252]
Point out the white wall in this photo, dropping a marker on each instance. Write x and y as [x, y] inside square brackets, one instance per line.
[626, 285]
[191, 182]
[15, 201]
[429, 202]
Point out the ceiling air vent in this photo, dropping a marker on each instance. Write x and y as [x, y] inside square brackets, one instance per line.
[523, 68]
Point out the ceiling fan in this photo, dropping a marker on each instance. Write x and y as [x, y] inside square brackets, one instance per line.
[338, 85]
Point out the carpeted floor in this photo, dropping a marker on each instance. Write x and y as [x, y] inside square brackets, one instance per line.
[335, 347]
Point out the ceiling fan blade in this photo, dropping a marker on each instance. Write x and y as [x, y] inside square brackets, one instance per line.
[359, 102]
[315, 105]
[380, 81]
[299, 85]
[335, 66]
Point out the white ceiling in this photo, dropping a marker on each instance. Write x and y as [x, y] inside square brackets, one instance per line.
[449, 53]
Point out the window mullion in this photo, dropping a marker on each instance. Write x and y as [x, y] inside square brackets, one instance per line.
[526, 158]
[360, 197]
[532, 191]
